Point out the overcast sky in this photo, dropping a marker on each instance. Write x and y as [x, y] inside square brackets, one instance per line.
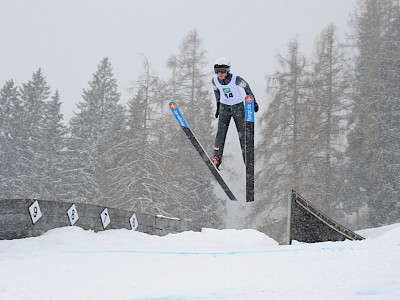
[68, 38]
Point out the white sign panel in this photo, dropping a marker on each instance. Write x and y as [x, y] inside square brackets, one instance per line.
[105, 218]
[35, 211]
[134, 222]
[73, 214]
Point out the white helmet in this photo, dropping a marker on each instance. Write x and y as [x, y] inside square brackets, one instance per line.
[222, 61]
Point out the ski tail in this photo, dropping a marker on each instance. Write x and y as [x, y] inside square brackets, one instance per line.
[196, 144]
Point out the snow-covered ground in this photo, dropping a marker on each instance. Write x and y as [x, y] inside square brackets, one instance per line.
[70, 263]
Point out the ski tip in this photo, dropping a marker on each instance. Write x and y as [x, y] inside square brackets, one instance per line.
[249, 99]
[178, 116]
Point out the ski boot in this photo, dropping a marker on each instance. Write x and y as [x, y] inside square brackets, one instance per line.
[216, 161]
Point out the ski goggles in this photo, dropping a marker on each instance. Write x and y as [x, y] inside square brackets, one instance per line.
[221, 70]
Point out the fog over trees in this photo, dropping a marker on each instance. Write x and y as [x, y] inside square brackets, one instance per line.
[331, 132]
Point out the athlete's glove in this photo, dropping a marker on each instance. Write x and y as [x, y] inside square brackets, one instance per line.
[217, 112]
[255, 106]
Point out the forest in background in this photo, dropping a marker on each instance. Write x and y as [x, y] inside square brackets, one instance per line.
[331, 132]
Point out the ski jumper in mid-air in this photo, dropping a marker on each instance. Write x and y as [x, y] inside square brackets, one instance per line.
[229, 105]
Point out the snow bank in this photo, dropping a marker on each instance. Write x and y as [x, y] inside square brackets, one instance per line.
[71, 263]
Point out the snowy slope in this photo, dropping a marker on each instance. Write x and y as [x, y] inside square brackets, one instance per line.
[70, 263]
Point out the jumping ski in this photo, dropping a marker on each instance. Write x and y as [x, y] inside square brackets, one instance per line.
[185, 127]
[249, 147]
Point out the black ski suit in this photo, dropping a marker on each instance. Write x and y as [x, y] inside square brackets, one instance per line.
[226, 112]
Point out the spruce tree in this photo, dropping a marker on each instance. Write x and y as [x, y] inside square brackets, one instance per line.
[11, 143]
[54, 147]
[34, 96]
[95, 129]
